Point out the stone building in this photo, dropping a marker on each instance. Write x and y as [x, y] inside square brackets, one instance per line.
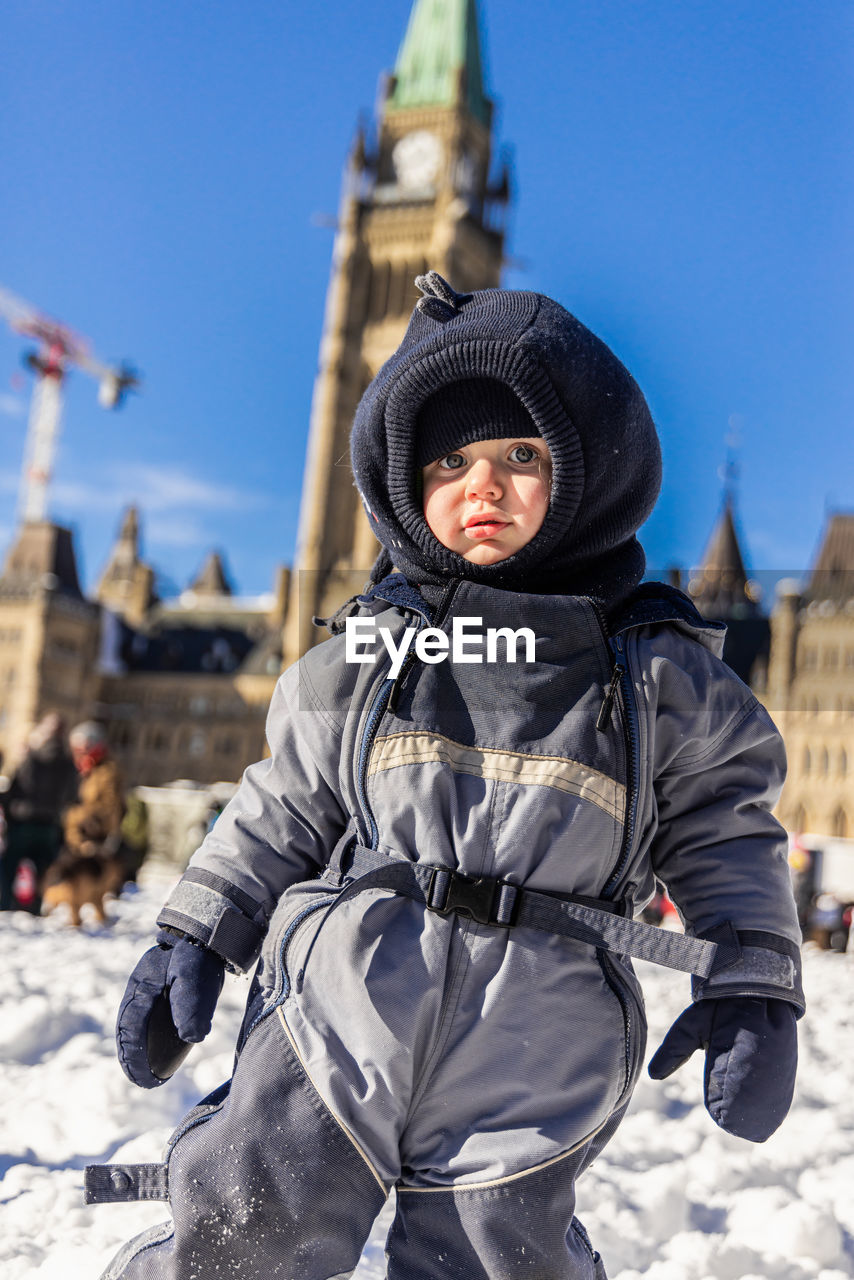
[810, 688]
[48, 635]
[182, 685]
[421, 189]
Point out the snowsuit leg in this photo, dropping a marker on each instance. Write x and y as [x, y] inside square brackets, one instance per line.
[263, 1182]
[519, 1227]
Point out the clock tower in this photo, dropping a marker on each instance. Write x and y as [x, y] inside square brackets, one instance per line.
[421, 191]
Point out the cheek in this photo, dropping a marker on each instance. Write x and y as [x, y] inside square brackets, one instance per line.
[438, 501]
[534, 495]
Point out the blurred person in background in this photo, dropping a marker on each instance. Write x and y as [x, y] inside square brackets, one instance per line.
[134, 832]
[94, 824]
[41, 789]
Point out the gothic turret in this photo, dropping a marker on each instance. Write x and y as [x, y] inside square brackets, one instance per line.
[439, 62]
[211, 579]
[420, 191]
[126, 586]
[41, 557]
[720, 587]
[832, 576]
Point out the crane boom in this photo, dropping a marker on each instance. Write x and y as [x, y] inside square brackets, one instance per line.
[59, 347]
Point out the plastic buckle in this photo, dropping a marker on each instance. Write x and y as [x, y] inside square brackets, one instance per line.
[472, 896]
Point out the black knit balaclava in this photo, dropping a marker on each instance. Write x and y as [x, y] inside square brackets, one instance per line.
[463, 412]
[572, 391]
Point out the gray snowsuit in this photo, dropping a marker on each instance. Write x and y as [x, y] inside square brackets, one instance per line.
[445, 1004]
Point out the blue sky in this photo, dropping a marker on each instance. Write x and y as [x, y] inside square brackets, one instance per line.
[683, 185]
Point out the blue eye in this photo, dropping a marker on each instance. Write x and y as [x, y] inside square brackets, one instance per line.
[523, 453]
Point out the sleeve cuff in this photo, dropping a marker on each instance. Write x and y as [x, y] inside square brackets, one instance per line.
[217, 914]
[762, 965]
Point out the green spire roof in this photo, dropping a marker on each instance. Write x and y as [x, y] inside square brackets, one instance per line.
[441, 41]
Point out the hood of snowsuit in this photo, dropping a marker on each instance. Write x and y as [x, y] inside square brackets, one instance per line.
[606, 461]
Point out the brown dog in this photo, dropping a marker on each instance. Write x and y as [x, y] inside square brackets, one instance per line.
[79, 878]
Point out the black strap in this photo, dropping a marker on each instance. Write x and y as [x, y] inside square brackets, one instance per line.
[112, 1183]
[499, 903]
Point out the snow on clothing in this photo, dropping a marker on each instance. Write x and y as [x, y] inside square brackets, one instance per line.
[475, 1067]
[477, 1062]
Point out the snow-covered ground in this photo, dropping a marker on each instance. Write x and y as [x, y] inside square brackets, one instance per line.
[672, 1198]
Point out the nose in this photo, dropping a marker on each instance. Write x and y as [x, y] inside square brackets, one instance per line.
[483, 480]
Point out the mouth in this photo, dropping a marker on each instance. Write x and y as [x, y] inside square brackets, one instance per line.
[481, 527]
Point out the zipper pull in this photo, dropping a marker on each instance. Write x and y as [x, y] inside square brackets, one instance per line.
[397, 685]
[608, 701]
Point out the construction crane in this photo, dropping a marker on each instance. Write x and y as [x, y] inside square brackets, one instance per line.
[59, 348]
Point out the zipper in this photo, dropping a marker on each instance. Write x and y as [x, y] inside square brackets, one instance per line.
[620, 681]
[632, 762]
[283, 953]
[604, 716]
[397, 683]
[617, 987]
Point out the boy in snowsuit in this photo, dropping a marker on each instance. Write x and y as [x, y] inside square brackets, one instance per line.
[441, 859]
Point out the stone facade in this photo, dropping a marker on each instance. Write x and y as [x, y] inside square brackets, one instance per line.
[48, 635]
[183, 686]
[810, 690]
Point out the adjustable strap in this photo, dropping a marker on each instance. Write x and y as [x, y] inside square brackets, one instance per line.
[504, 905]
[109, 1183]
[217, 914]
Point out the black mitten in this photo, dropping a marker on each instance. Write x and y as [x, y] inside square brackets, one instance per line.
[751, 1049]
[167, 1007]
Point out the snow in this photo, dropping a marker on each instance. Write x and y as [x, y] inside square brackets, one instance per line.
[671, 1198]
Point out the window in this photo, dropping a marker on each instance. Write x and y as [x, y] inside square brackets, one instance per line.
[63, 649]
[807, 760]
[824, 762]
[830, 659]
[799, 820]
[843, 762]
[118, 734]
[809, 659]
[840, 824]
[378, 298]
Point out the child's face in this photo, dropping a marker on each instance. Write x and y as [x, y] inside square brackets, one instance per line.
[486, 500]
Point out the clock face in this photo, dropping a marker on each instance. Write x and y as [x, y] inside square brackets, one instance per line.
[416, 158]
